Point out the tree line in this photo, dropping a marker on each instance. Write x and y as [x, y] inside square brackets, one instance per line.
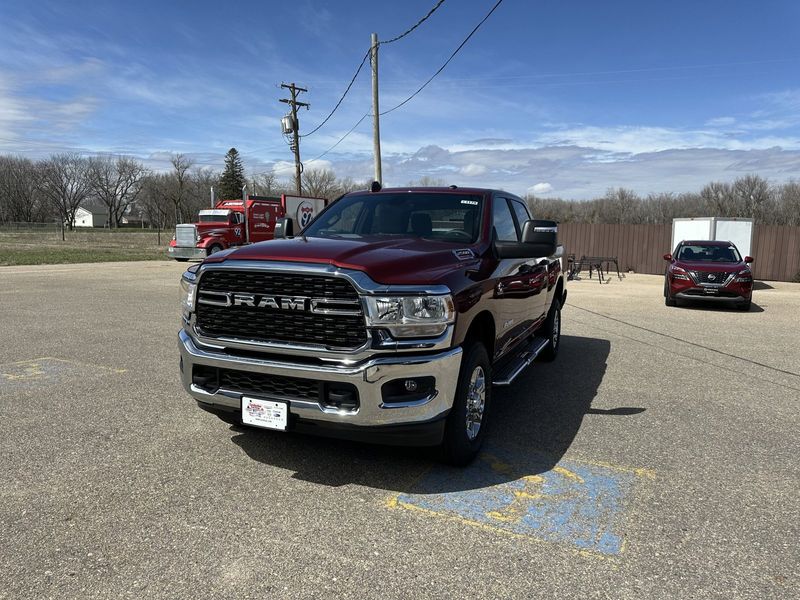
[750, 197]
[52, 189]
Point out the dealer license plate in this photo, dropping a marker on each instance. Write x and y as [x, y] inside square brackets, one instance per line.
[269, 414]
[711, 291]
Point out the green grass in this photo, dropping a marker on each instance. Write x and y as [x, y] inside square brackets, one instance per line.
[46, 247]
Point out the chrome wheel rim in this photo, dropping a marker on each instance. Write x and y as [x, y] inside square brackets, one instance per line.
[476, 402]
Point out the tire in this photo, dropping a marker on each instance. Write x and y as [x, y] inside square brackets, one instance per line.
[668, 299]
[181, 259]
[744, 306]
[213, 249]
[463, 436]
[552, 331]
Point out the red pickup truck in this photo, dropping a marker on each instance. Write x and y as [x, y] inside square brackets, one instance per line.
[389, 319]
[238, 222]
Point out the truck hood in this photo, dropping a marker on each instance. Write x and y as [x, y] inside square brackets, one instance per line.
[207, 229]
[387, 260]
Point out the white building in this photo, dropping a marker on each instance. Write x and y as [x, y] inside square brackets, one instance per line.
[91, 216]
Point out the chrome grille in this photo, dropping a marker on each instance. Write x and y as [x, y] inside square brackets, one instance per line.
[185, 236]
[711, 277]
[278, 325]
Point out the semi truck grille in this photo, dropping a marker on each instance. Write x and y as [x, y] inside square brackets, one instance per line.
[284, 325]
[185, 236]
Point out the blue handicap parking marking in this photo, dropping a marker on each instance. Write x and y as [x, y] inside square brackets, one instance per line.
[574, 502]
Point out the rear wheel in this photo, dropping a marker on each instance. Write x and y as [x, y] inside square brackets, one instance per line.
[552, 330]
[466, 423]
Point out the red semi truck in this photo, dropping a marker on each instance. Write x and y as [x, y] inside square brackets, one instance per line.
[236, 223]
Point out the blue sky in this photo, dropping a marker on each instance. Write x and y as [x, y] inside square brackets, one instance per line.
[560, 98]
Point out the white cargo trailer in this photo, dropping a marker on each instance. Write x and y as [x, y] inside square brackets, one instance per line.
[738, 231]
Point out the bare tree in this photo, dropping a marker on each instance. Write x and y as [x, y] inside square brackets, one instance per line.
[19, 197]
[154, 201]
[753, 197]
[66, 183]
[265, 183]
[788, 204]
[320, 183]
[180, 177]
[116, 182]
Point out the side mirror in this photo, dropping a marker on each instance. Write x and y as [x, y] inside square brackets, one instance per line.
[668, 257]
[748, 259]
[284, 228]
[539, 239]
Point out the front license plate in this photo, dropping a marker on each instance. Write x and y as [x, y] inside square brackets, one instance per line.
[265, 413]
[711, 291]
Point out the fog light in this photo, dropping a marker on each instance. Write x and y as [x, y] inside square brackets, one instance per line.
[408, 390]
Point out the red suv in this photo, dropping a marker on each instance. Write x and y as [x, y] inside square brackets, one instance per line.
[704, 270]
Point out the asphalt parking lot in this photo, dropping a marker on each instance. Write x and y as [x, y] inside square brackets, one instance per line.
[656, 458]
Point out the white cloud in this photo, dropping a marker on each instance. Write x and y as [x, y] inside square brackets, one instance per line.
[541, 188]
[473, 170]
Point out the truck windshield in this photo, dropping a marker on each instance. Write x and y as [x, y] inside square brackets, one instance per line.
[709, 253]
[440, 216]
[213, 218]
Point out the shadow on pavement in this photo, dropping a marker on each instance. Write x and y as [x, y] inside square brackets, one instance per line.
[717, 306]
[534, 422]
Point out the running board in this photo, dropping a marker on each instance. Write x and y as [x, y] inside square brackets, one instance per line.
[523, 359]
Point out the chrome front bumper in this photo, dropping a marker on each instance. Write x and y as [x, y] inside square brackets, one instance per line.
[186, 252]
[367, 376]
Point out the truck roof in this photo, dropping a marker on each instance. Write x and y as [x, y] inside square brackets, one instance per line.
[439, 189]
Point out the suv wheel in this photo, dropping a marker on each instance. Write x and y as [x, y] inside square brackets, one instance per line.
[668, 299]
[466, 423]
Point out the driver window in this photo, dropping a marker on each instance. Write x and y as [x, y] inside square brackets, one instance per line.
[503, 221]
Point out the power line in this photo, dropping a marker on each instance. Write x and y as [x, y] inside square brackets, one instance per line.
[417, 24]
[349, 85]
[363, 60]
[456, 51]
[341, 139]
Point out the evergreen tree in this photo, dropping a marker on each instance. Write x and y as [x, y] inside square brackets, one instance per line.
[232, 179]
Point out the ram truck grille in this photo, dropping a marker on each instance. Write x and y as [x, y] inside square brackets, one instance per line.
[280, 308]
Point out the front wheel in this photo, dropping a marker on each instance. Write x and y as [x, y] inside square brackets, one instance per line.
[213, 249]
[668, 299]
[466, 423]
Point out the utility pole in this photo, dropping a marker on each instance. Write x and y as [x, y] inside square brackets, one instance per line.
[376, 125]
[295, 144]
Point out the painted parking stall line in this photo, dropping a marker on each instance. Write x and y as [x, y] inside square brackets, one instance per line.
[580, 504]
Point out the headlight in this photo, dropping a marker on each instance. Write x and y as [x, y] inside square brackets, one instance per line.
[678, 273]
[411, 316]
[744, 276]
[188, 288]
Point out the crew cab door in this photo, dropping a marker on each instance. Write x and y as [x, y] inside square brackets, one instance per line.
[520, 292]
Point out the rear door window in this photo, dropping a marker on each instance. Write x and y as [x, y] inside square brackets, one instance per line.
[503, 222]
